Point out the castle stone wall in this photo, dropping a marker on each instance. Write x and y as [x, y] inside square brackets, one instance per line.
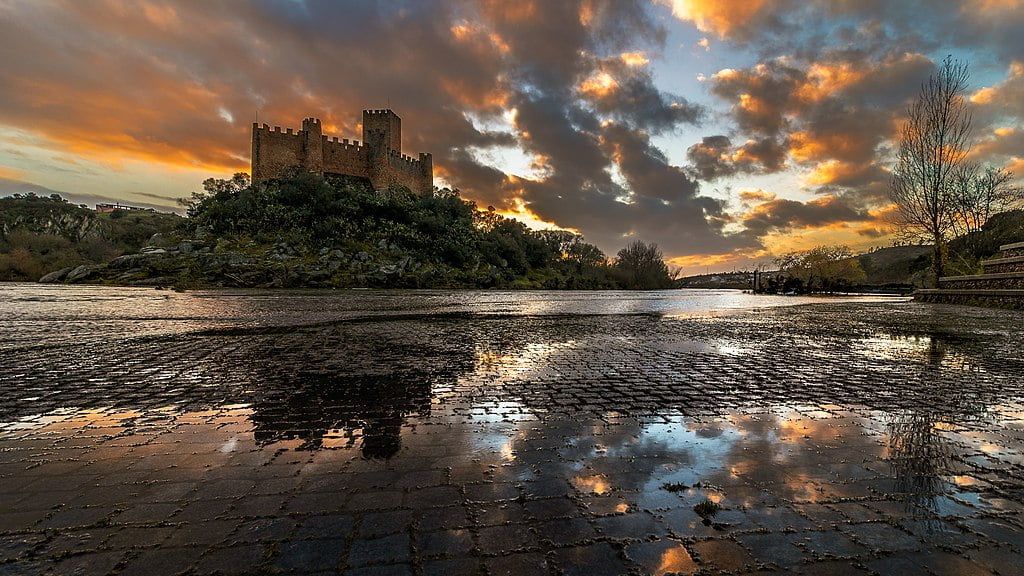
[273, 151]
[378, 159]
[344, 157]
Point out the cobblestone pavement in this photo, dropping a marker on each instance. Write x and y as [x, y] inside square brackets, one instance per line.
[838, 438]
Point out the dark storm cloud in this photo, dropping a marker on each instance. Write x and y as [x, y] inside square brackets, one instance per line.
[781, 214]
[715, 157]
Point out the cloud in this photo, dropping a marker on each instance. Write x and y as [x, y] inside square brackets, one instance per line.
[715, 157]
[782, 214]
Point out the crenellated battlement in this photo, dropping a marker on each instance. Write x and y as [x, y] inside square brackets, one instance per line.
[379, 158]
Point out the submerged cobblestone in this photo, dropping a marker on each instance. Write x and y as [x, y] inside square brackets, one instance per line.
[422, 438]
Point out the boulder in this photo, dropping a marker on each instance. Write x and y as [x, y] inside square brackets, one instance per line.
[56, 275]
[82, 272]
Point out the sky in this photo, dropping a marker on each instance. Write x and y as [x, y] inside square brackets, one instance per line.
[725, 131]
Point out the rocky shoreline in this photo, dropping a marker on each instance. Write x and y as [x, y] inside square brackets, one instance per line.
[201, 263]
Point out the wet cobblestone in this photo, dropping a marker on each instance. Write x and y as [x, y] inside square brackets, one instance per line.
[835, 438]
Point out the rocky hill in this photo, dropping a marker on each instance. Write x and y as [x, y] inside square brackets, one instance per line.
[40, 234]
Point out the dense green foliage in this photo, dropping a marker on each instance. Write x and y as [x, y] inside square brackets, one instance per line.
[402, 239]
[39, 234]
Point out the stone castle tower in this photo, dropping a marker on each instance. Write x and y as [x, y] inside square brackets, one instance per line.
[378, 159]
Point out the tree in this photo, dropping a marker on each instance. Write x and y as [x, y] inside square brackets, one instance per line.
[979, 193]
[820, 269]
[640, 266]
[933, 145]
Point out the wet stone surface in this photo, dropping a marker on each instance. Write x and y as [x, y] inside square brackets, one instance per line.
[445, 435]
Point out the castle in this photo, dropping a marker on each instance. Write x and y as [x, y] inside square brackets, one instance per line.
[378, 159]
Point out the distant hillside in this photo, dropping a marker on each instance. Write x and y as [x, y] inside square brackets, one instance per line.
[896, 265]
[720, 280]
[39, 234]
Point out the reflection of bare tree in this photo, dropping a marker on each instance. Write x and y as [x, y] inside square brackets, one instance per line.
[918, 456]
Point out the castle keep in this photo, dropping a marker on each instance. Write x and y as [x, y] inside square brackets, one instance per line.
[378, 159]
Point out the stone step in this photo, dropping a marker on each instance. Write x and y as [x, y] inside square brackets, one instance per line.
[1007, 298]
[1002, 265]
[1000, 281]
[1011, 250]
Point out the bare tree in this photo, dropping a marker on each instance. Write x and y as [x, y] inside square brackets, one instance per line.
[933, 145]
[979, 193]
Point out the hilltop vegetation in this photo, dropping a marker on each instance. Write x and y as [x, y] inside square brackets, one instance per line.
[305, 230]
[39, 234]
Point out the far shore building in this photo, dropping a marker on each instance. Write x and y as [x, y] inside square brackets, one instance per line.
[378, 159]
[103, 208]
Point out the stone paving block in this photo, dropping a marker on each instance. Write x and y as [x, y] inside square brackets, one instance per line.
[444, 543]
[775, 548]
[325, 526]
[452, 567]
[491, 492]
[721, 555]
[549, 508]
[598, 559]
[635, 525]
[263, 530]
[89, 564]
[146, 513]
[526, 564]
[76, 517]
[500, 513]
[386, 570]
[498, 539]
[1001, 560]
[566, 531]
[382, 523]
[431, 497]
[370, 501]
[384, 550]
[830, 544]
[203, 534]
[662, 557]
[881, 537]
[307, 556]
[239, 559]
[446, 517]
[167, 561]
